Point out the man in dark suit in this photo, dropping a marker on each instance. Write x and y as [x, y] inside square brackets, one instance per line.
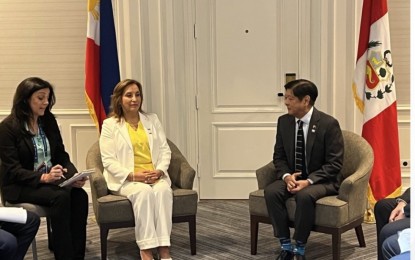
[15, 238]
[392, 215]
[309, 173]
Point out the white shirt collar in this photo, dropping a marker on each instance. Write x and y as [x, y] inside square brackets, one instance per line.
[307, 117]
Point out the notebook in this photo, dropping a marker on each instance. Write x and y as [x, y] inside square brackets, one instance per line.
[77, 176]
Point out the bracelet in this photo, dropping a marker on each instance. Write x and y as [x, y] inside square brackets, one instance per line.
[162, 174]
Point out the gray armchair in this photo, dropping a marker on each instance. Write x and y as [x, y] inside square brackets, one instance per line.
[334, 214]
[113, 211]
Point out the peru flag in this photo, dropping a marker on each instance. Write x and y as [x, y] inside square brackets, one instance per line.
[375, 95]
[101, 63]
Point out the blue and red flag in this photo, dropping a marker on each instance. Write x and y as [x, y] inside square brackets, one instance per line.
[102, 71]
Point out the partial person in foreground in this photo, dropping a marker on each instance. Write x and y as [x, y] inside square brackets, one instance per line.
[136, 156]
[397, 246]
[308, 157]
[15, 238]
[34, 162]
[392, 215]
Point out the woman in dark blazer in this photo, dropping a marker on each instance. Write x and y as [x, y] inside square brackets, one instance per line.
[34, 162]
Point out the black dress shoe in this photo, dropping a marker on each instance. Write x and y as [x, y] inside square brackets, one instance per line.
[285, 255]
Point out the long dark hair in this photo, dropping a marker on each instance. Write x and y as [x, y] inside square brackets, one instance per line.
[21, 112]
[116, 97]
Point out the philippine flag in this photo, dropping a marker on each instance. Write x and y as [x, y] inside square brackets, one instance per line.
[102, 71]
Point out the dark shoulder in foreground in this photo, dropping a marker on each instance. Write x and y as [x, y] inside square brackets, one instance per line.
[10, 122]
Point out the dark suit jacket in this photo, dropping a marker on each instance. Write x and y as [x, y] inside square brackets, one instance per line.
[406, 196]
[324, 148]
[17, 156]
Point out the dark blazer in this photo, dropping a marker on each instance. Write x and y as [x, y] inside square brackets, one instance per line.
[324, 148]
[406, 196]
[17, 156]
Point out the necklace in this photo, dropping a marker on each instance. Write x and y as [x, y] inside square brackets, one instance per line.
[133, 125]
[133, 121]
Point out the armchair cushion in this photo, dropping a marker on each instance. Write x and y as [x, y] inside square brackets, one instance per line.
[114, 208]
[184, 202]
[257, 205]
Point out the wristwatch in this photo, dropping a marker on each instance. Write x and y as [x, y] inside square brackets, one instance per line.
[401, 200]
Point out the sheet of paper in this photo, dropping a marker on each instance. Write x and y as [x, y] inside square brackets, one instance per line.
[12, 214]
[404, 240]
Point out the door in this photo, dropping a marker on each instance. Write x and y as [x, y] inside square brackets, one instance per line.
[244, 49]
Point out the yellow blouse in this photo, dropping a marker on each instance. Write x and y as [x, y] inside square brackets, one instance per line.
[141, 148]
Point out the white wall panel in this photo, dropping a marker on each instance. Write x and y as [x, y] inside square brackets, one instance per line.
[240, 148]
[246, 59]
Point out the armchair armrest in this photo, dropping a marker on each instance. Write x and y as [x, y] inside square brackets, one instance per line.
[186, 176]
[354, 187]
[181, 173]
[357, 167]
[266, 175]
[99, 186]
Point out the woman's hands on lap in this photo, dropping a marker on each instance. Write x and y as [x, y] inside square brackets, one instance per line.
[146, 176]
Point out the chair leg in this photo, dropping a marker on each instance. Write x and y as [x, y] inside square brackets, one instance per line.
[34, 249]
[254, 235]
[103, 234]
[336, 239]
[360, 235]
[49, 229]
[192, 234]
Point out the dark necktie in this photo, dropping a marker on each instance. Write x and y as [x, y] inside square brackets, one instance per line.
[299, 151]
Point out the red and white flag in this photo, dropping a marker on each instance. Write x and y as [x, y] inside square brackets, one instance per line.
[375, 95]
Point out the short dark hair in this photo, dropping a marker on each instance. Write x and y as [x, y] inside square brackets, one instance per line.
[302, 88]
[21, 108]
[116, 97]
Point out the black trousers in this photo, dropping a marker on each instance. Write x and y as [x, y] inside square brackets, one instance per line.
[384, 228]
[276, 194]
[68, 215]
[15, 238]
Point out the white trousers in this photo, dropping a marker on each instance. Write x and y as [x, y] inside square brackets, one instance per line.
[153, 209]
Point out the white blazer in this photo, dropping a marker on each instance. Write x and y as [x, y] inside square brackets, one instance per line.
[117, 151]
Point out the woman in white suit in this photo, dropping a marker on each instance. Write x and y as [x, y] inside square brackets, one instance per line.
[136, 156]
